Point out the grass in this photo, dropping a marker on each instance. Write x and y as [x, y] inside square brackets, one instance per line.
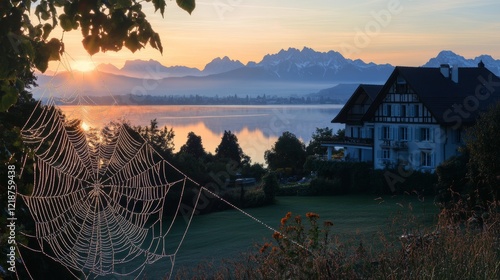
[310, 247]
[224, 235]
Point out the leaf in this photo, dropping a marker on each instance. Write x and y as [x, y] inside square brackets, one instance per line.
[132, 42]
[47, 28]
[55, 48]
[187, 5]
[91, 44]
[122, 4]
[160, 4]
[9, 97]
[65, 22]
[156, 42]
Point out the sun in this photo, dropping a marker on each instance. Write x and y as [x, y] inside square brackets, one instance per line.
[83, 66]
[85, 126]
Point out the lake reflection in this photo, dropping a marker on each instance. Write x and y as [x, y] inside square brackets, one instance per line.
[257, 127]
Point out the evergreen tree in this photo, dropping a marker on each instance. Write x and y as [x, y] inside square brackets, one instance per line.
[229, 148]
[193, 146]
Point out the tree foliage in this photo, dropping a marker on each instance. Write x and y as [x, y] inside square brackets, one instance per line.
[484, 154]
[322, 135]
[106, 25]
[229, 148]
[161, 139]
[193, 146]
[287, 152]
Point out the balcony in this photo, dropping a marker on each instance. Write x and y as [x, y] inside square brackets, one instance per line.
[349, 141]
[396, 145]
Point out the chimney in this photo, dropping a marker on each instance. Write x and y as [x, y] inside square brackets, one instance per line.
[445, 70]
[454, 74]
[480, 64]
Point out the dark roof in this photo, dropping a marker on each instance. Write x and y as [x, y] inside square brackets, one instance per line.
[476, 90]
[371, 91]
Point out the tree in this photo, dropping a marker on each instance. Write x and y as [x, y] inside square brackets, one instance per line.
[193, 146]
[319, 136]
[106, 25]
[287, 152]
[484, 154]
[229, 148]
[161, 139]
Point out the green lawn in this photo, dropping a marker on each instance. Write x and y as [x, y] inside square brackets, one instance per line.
[226, 234]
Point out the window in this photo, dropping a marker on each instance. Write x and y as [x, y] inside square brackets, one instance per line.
[386, 154]
[403, 133]
[416, 111]
[425, 134]
[387, 110]
[386, 132]
[403, 111]
[425, 159]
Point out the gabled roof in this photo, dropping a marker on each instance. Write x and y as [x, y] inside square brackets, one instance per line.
[441, 95]
[371, 92]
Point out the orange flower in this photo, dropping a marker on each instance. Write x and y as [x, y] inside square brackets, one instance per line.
[312, 215]
[285, 219]
[264, 247]
[277, 235]
[298, 219]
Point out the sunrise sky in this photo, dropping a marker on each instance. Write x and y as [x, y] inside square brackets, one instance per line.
[399, 32]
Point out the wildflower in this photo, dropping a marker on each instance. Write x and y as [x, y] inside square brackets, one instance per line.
[277, 235]
[298, 219]
[328, 223]
[285, 219]
[264, 247]
[312, 215]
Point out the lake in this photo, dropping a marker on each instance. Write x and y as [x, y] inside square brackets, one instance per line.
[257, 126]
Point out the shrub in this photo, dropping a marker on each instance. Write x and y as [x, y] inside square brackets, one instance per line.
[322, 186]
[271, 186]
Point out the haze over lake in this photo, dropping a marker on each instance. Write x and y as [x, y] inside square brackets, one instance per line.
[257, 127]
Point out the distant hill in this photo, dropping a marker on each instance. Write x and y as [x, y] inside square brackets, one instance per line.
[341, 93]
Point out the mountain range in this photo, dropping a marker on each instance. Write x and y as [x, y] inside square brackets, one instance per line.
[291, 72]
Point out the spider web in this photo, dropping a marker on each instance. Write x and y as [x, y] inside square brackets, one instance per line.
[105, 202]
[99, 198]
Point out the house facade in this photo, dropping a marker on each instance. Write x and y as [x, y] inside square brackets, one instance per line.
[416, 120]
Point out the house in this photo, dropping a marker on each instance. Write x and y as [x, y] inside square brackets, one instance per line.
[415, 120]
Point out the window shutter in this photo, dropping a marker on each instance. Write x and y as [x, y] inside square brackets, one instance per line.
[379, 131]
[411, 111]
[417, 134]
[384, 110]
[394, 133]
[431, 134]
[409, 134]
